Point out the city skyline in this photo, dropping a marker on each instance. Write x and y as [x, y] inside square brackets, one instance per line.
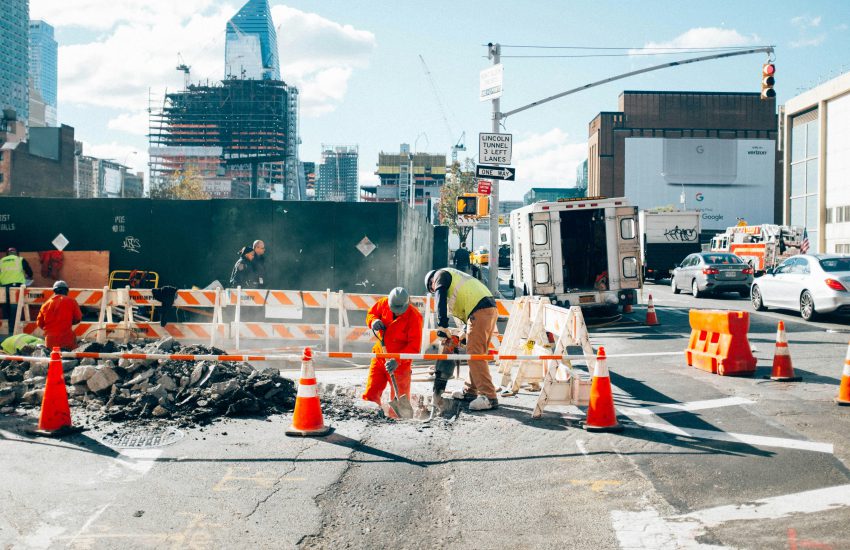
[354, 65]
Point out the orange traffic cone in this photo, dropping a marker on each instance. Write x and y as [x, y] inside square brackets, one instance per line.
[601, 416]
[651, 317]
[844, 389]
[55, 417]
[307, 417]
[782, 369]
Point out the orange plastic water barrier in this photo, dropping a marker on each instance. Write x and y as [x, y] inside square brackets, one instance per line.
[719, 344]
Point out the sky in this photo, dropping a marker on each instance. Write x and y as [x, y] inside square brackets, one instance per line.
[362, 82]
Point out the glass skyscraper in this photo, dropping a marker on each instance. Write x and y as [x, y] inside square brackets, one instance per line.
[14, 59]
[250, 49]
[43, 69]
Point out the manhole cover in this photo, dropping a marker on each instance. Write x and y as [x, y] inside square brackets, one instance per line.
[144, 438]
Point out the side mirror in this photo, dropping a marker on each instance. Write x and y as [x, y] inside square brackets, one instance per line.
[768, 271]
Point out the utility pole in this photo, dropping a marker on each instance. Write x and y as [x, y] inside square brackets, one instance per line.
[494, 52]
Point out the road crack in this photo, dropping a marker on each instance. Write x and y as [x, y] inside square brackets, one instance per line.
[276, 486]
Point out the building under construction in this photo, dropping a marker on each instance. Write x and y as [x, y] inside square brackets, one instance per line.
[241, 136]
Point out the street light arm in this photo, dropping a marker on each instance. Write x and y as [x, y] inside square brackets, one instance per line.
[767, 49]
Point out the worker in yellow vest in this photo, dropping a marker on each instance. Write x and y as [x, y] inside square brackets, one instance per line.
[466, 298]
[14, 271]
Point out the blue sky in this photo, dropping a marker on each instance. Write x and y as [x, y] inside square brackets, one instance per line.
[357, 64]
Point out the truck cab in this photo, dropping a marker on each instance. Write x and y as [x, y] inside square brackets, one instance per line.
[583, 252]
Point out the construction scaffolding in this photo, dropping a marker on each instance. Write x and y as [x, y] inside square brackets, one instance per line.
[239, 131]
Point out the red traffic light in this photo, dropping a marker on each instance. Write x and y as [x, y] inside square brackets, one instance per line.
[768, 69]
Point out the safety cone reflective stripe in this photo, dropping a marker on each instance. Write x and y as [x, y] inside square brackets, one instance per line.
[55, 416]
[783, 371]
[651, 317]
[601, 416]
[844, 389]
[307, 418]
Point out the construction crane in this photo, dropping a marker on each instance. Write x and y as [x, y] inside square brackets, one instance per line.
[181, 66]
[460, 143]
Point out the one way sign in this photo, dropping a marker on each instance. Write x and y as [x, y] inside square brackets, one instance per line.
[500, 173]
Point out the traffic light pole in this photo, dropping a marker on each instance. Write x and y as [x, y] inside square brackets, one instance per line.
[494, 53]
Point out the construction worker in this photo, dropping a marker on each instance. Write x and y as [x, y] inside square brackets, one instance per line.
[17, 342]
[461, 258]
[466, 298]
[14, 272]
[400, 328]
[259, 263]
[57, 316]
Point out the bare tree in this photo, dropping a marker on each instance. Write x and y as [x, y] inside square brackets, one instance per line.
[460, 181]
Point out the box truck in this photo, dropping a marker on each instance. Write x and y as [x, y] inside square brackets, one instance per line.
[666, 238]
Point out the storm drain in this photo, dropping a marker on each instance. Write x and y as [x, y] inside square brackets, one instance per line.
[143, 438]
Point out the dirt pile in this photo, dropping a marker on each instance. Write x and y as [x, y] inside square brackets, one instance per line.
[129, 390]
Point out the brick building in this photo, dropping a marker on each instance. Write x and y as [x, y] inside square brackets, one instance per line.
[705, 117]
[43, 166]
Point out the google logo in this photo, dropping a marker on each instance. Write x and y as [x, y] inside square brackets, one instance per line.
[700, 197]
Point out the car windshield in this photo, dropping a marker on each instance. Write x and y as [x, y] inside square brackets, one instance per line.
[835, 264]
[715, 259]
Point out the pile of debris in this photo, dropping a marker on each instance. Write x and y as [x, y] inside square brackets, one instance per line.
[126, 390]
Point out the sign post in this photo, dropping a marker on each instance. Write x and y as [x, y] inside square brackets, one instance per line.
[495, 144]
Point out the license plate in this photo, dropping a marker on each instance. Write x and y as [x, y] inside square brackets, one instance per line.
[586, 299]
[730, 274]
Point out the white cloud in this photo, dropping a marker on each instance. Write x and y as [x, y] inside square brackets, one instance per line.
[544, 160]
[130, 123]
[808, 42]
[703, 37]
[100, 15]
[806, 21]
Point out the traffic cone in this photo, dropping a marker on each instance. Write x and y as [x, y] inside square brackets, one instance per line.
[55, 417]
[601, 416]
[844, 389]
[651, 317]
[782, 369]
[307, 417]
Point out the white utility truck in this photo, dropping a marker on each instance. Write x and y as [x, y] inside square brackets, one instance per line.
[666, 238]
[583, 252]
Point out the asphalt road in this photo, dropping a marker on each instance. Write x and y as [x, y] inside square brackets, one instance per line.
[704, 462]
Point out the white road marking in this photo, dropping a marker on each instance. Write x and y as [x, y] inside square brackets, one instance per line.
[581, 447]
[647, 529]
[757, 440]
[687, 406]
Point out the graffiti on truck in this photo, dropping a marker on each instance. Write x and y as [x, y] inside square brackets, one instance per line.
[681, 234]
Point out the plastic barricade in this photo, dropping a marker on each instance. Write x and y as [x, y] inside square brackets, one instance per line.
[719, 344]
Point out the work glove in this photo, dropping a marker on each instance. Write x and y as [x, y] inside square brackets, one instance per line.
[442, 333]
[391, 365]
[378, 325]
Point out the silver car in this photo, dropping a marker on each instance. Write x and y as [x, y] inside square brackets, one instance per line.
[808, 283]
[712, 272]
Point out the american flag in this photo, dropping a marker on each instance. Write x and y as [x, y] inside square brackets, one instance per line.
[804, 246]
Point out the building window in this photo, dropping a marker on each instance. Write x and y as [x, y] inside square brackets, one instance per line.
[804, 175]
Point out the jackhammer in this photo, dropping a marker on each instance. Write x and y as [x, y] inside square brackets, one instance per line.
[443, 371]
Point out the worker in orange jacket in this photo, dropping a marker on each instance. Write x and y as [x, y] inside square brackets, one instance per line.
[57, 316]
[400, 327]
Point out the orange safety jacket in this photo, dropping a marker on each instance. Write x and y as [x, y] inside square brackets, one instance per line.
[56, 317]
[403, 333]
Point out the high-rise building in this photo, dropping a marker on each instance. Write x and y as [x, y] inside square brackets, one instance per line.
[250, 48]
[43, 71]
[14, 58]
[394, 171]
[581, 174]
[338, 174]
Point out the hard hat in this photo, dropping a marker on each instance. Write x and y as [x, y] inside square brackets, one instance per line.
[428, 280]
[60, 287]
[398, 300]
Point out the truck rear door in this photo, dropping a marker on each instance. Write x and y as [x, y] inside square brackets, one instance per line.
[628, 248]
[543, 271]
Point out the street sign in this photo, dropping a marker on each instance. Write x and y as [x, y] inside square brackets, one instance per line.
[495, 148]
[484, 187]
[507, 173]
[490, 83]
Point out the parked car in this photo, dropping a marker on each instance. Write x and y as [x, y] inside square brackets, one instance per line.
[712, 272]
[808, 283]
[481, 256]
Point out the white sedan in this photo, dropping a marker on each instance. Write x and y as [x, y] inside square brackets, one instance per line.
[808, 283]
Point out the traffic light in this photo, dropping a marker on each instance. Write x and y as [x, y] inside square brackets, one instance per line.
[768, 70]
[467, 205]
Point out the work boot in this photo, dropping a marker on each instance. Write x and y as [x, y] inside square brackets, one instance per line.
[483, 403]
[463, 396]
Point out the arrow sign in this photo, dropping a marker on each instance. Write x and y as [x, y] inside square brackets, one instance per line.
[500, 173]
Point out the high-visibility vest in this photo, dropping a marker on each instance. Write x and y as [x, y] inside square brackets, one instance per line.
[12, 270]
[465, 291]
[14, 344]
